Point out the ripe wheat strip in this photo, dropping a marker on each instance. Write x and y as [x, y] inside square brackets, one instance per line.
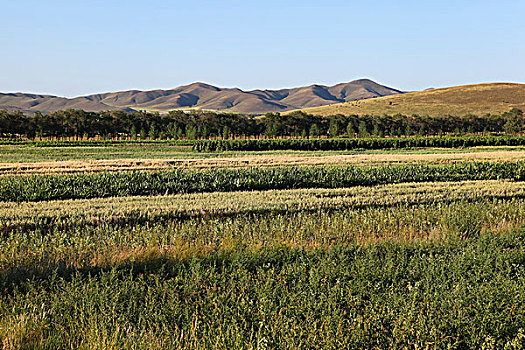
[139, 209]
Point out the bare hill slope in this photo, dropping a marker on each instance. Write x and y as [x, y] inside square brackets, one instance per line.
[202, 96]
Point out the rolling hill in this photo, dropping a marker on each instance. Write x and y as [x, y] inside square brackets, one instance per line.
[202, 96]
[477, 99]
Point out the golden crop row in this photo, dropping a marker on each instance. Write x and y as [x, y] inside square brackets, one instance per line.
[137, 209]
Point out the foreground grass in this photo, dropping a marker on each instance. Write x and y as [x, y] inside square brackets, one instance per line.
[392, 266]
[453, 294]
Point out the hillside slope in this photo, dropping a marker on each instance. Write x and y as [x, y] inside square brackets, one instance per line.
[477, 99]
[202, 96]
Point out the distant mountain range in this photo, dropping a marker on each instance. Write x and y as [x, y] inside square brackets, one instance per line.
[202, 96]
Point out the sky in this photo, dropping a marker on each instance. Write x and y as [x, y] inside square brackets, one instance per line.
[72, 48]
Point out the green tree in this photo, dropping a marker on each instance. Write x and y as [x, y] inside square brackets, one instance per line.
[314, 130]
[191, 132]
[304, 134]
[153, 132]
[398, 132]
[179, 133]
[204, 132]
[133, 132]
[377, 132]
[142, 134]
[516, 111]
[333, 129]
[350, 131]
[363, 131]
[271, 129]
[514, 125]
[226, 133]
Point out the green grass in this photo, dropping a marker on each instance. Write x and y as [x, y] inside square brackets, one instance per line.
[21, 154]
[454, 294]
[408, 274]
[74, 242]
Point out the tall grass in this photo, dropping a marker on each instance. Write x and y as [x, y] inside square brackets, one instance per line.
[454, 294]
[392, 257]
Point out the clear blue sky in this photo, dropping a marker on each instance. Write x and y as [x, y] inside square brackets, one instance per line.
[71, 48]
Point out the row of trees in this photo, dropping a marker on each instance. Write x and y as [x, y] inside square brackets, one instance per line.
[198, 124]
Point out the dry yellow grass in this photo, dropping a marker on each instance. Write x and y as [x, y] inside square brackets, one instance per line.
[477, 99]
[72, 167]
[100, 210]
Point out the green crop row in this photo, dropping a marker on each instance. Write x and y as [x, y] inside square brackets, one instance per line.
[48, 187]
[350, 144]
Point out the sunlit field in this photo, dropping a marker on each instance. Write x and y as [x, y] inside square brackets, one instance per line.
[168, 247]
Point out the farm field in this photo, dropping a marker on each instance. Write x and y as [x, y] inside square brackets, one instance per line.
[23, 160]
[266, 159]
[23, 155]
[109, 247]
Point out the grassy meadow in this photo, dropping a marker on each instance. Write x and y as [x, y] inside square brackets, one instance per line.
[133, 247]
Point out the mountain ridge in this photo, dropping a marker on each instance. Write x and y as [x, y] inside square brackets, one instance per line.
[201, 95]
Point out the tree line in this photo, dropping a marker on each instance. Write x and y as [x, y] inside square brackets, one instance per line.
[204, 125]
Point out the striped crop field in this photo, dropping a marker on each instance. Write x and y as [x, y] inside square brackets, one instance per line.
[164, 247]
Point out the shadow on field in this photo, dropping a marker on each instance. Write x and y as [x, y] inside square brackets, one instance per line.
[477, 247]
[14, 278]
